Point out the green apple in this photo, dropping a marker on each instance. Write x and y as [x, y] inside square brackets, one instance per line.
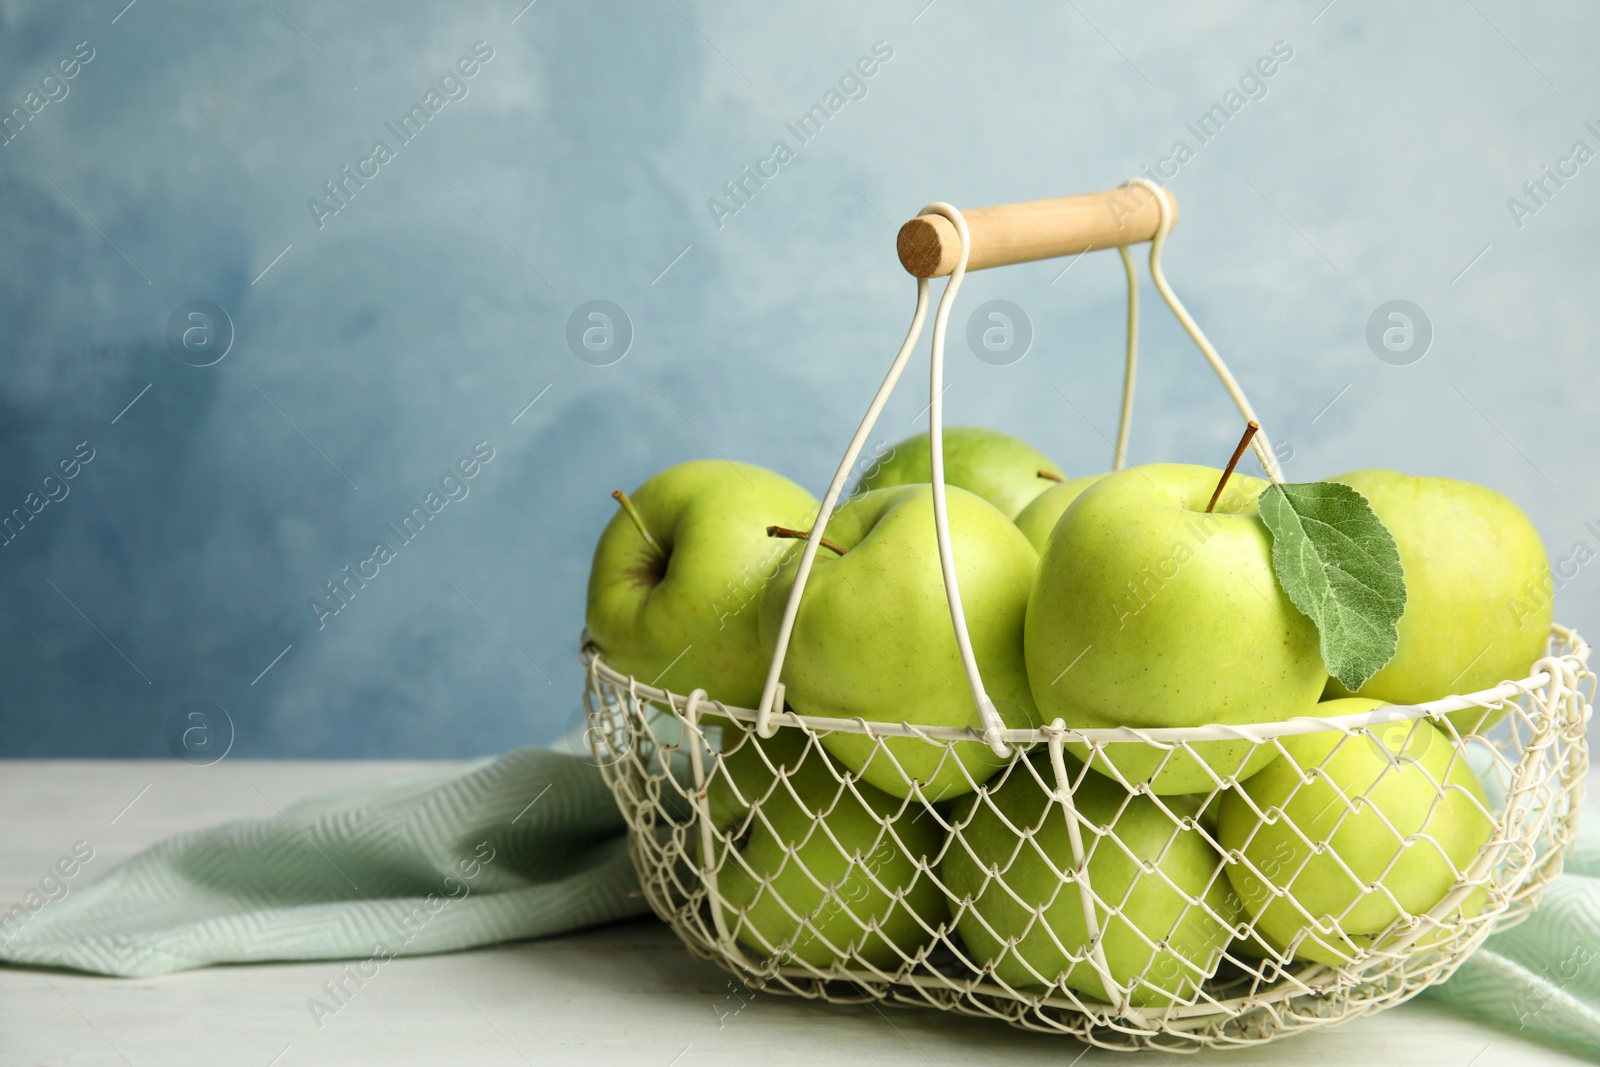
[1019, 909]
[1478, 589]
[1437, 932]
[1346, 833]
[1149, 612]
[747, 766]
[833, 870]
[1038, 520]
[664, 601]
[873, 638]
[996, 466]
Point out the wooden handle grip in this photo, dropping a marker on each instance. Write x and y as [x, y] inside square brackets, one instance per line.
[1036, 229]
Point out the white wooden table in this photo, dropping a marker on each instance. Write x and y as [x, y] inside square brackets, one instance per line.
[624, 994]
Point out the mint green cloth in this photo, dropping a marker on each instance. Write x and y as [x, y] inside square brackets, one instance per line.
[526, 845]
[1541, 979]
[531, 844]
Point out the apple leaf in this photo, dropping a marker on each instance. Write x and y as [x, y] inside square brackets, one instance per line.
[1339, 565]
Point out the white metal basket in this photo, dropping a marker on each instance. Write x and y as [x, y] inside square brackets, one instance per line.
[864, 897]
[657, 751]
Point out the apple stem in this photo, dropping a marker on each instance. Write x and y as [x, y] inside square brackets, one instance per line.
[1244, 443]
[1052, 476]
[633, 513]
[802, 535]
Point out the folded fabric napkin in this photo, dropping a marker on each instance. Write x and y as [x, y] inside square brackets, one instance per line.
[1541, 979]
[531, 844]
[526, 845]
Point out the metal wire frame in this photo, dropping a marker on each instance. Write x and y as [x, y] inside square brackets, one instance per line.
[878, 920]
[663, 753]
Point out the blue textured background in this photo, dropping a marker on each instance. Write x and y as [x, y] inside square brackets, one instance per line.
[432, 308]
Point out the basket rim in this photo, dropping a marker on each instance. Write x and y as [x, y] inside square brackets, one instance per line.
[1571, 651]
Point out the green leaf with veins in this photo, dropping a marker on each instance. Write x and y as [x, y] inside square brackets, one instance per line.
[1339, 565]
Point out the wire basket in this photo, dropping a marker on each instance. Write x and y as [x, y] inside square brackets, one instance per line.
[1058, 895]
[665, 757]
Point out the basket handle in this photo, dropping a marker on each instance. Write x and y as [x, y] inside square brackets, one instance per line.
[1164, 208]
[929, 245]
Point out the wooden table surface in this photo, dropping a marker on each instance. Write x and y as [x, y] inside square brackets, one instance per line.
[623, 994]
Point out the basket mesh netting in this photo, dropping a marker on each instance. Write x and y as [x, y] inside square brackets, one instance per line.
[1362, 861]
